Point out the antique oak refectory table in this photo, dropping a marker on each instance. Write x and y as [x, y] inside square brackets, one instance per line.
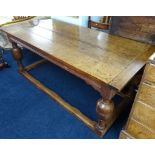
[106, 62]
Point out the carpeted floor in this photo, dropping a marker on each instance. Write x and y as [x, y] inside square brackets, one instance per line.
[27, 112]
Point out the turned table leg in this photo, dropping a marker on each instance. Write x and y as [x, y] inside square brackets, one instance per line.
[105, 111]
[17, 55]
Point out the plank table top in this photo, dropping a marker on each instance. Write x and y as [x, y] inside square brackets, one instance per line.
[103, 57]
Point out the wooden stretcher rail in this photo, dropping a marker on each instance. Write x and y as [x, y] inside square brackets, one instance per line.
[61, 101]
[33, 65]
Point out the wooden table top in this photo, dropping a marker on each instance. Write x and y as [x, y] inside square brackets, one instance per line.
[107, 58]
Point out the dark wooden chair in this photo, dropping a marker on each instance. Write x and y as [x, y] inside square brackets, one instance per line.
[104, 23]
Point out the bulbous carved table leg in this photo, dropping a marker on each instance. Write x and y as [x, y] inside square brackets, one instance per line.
[17, 54]
[105, 110]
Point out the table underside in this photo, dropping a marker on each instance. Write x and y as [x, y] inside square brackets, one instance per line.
[86, 120]
[126, 95]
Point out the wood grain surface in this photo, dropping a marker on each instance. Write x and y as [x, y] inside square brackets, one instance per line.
[109, 59]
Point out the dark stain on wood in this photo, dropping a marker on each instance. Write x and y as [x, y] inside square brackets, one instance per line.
[140, 28]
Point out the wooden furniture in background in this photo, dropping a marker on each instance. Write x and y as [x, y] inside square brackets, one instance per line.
[104, 24]
[141, 28]
[141, 122]
[5, 20]
[106, 62]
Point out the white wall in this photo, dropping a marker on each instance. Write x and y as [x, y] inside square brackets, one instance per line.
[81, 21]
